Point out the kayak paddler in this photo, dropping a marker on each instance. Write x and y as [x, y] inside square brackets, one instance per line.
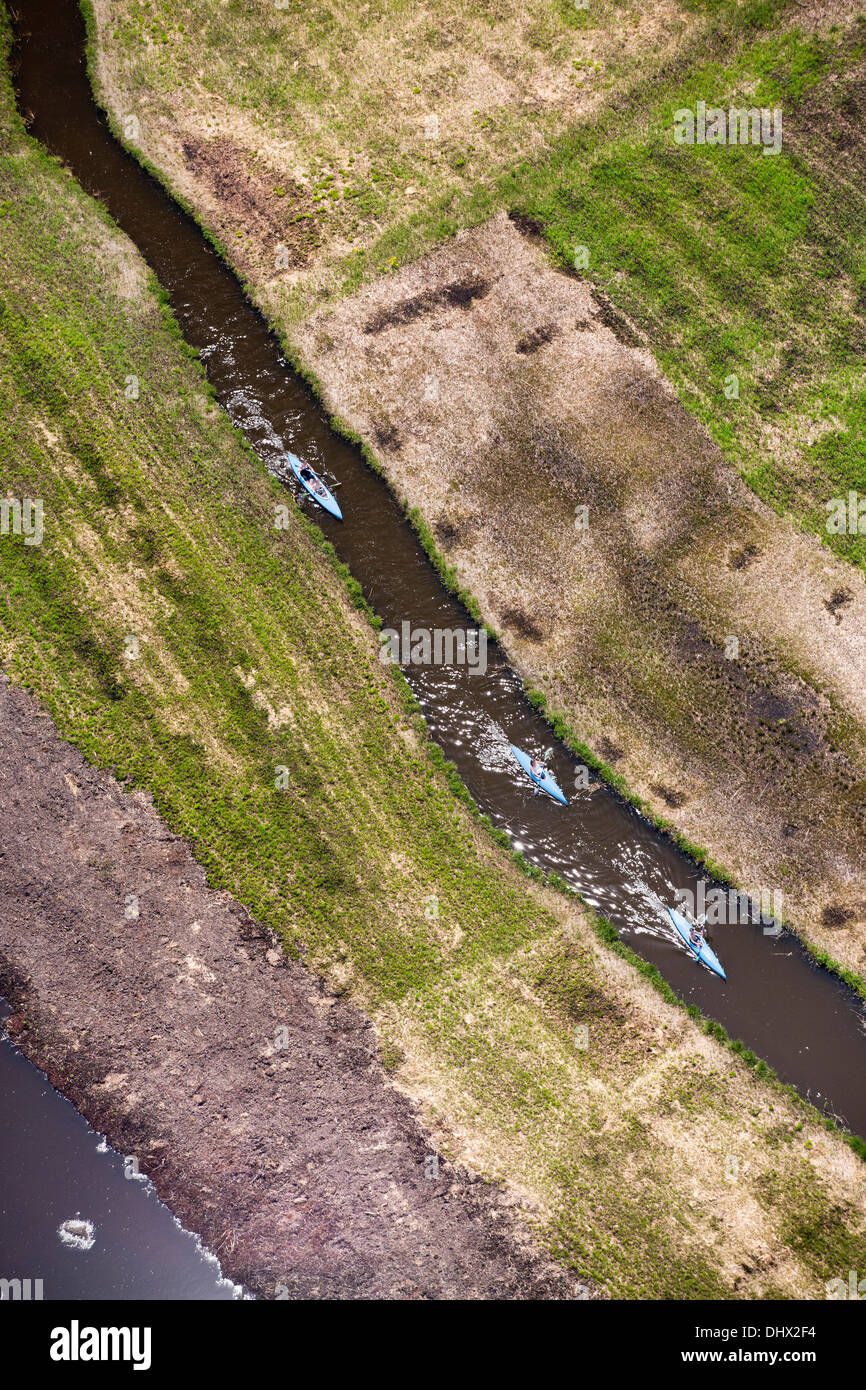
[698, 930]
[315, 482]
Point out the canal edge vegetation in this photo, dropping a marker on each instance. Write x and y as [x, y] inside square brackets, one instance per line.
[103, 670]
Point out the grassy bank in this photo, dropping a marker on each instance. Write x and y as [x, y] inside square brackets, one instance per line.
[740, 266]
[252, 705]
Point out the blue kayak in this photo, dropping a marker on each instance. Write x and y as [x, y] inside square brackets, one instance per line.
[703, 952]
[310, 480]
[544, 780]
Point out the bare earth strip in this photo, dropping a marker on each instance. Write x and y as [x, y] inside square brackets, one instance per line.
[713, 654]
[299, 1164]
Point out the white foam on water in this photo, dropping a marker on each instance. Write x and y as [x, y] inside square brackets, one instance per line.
[77, 1233]
[492, 748]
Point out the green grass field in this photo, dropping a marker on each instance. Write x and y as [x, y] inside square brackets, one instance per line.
[734, 262]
